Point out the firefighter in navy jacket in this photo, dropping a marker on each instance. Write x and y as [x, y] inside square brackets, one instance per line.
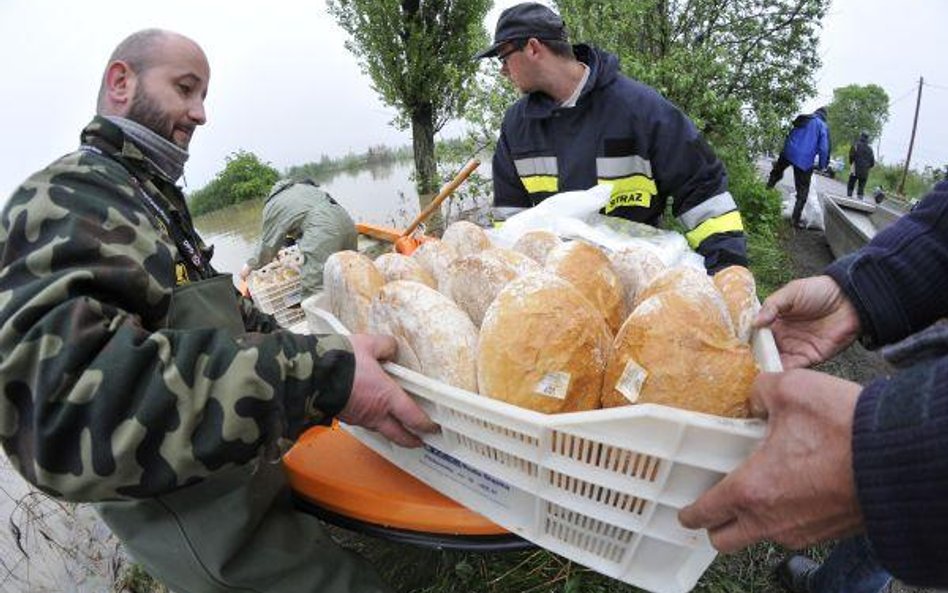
[582, 123]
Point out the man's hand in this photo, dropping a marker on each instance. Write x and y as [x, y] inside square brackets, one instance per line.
[377, 402]
[811, 319]
[798, 487]
[245, 271]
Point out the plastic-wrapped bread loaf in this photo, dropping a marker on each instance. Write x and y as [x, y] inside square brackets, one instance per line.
[466, 237]
[674, 350]
[537, 245]
[543, 346]
[588, 269]
[737, 286]
[434, 336]
[395, 266]
[435, 256]
[351, 280]
[473, 281]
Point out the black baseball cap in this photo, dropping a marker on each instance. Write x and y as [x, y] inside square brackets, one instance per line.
[524, 21]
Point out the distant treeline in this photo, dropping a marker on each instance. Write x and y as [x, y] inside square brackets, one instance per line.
[246, 177]
[327, 167]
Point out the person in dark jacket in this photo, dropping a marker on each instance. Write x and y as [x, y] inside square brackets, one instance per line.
[861, 160]
[841, 459]
[582, 123]
[808, 139]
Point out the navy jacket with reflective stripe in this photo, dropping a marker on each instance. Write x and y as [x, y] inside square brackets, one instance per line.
[625, 133]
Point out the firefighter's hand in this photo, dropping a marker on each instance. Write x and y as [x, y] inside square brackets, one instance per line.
[797, 488]
[812, 320]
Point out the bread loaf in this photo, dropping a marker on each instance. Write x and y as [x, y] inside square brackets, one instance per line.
[543, 346]
[736, 284]
[435, 256]
[636, 265]
[395, 266]
[537, 245]
[588, 269]
[351, 280]
[519, 261]
[688, 279]
[466, 237]
[473, 281]
[434, 336]
[674, 350]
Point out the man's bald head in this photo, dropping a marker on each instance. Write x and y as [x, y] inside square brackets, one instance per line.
[138, 51]
[158, 79]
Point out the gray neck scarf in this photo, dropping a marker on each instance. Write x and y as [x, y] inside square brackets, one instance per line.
[166, 156]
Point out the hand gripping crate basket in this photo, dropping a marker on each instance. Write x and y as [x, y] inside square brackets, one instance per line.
[601, 488]
[276, 289]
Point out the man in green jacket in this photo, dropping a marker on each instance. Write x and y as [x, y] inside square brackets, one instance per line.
[310, 217]
[134, 378]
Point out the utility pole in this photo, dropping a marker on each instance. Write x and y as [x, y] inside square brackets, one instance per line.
[918, 102]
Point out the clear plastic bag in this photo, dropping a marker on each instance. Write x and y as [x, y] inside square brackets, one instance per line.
[575, 215]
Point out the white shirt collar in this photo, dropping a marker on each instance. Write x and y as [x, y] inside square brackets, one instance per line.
[571, 101]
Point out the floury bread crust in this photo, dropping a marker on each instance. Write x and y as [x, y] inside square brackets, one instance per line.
[588, 269]
[434, 336]
[519, 261]
[537, 245]
[737, 286]
[475, 280]
[674, 350]
[466, 237]
[690, 280]
[543, 346]
[435, 256]
[395, 266]
[636, 267]
[351, 281]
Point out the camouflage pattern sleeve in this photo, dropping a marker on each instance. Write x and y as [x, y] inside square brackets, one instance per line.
[100, 401]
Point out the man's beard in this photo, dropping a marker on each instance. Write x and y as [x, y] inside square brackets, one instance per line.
[146, 112]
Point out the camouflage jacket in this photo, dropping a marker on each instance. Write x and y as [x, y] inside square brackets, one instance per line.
[100, 399]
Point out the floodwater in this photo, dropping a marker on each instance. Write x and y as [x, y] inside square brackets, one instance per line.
[47, 546]
[383, 195]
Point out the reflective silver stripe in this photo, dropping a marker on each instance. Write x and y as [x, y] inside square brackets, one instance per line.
[541, 165]
[623, 166]
[716, 206]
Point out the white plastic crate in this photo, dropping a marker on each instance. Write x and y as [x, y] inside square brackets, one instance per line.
[601, 487]
[276, 289]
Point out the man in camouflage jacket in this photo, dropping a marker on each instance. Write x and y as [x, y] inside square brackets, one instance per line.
[132, 376]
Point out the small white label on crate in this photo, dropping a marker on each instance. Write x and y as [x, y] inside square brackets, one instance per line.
[466, 476]
[630, 383]
[553, 385]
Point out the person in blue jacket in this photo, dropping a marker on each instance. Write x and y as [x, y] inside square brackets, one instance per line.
[840, 459]
[808, 139]
[581, 123]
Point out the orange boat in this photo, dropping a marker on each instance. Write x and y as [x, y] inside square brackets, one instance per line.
[340, 480]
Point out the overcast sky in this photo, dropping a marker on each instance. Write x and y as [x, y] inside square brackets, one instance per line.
[284, 87]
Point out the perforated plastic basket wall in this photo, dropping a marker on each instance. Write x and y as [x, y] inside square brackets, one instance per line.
[602, 488]
[276, 289]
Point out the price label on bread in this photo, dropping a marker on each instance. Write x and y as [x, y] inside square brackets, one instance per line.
[553, 385]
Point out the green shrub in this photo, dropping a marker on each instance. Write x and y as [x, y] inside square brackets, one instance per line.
[244, 178]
